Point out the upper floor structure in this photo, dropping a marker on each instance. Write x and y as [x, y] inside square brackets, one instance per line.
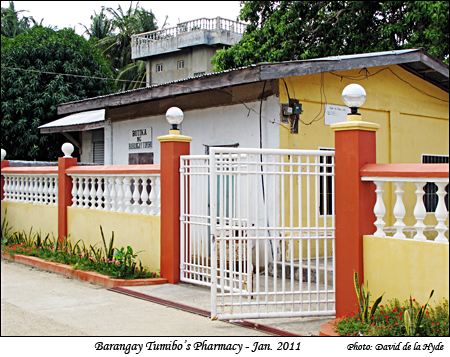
[185, 50]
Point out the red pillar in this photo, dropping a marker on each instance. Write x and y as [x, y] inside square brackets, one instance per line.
[172, 147]
[64, 194]
[5, 163]
[355, 145]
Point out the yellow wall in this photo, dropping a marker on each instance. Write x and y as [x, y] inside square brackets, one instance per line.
[141, 232]
[411, 123]
[25, 216]
[400, 267]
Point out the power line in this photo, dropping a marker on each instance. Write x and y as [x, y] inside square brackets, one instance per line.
[70, 75]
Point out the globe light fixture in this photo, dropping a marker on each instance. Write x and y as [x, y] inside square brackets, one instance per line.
[354, 96]
[3, 154]
[67, 149]
[174, 116]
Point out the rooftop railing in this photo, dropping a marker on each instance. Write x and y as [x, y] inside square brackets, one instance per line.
[217, 23]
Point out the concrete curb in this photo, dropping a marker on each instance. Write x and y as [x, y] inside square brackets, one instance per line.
[89, 276]
[329, 329]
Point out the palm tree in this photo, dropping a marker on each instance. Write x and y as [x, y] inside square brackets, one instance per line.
[117, 46]
[11, 24]
[100, 27]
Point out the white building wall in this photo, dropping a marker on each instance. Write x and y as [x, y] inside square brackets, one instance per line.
[231, 124]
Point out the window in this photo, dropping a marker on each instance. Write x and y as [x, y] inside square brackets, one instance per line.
[180, 64]
[98, 146]
[198, 74]
[430, 198]
[159, 67]
[326, 184]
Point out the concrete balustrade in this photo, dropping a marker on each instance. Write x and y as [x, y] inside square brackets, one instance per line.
[418, 175]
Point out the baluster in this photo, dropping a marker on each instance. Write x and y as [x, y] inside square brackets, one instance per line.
[35, 189]
[128, 195]
[14, 188]
[379, 210]
[99, 194]
[86, 193]
[136, 195]
[399, 210]
[11, 188]
[55, 190]
[26, 190]
[106, 194]
[30, 189]
[75, 183]
[38, 190]
[119, 195]
[158, 195]
[7, 188]
[152, 208]
[419, 211]
[45, 190]
[81, 182]
[20, 195]
[441, 213]
[144, 196]
[113, 194]
[92, 194]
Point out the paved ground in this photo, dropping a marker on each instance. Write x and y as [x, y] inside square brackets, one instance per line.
[37, 303]
[200, 297]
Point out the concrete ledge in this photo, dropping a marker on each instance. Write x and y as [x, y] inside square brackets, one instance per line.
[89, 276]
[329, 329]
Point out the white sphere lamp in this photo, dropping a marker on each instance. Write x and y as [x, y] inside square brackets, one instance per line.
[354, 96]
[3, 154]
[67, 149]
[174, 116]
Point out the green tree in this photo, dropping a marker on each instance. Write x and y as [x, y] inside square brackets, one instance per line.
[31, 91]
[296, 30]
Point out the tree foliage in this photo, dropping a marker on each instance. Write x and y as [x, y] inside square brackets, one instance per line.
[30, 91]
[296, 30]
[12, 24]
[117, 44]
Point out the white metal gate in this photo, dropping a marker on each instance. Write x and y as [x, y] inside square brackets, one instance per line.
[195, 229]
[272, 233]
[195, 247]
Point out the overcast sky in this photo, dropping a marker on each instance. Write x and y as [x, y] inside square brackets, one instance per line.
[72, 13]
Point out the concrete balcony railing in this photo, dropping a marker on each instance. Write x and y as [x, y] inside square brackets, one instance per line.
[203, 31]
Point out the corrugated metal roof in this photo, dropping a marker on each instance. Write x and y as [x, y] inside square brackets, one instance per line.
[433, 71]
[68, 122]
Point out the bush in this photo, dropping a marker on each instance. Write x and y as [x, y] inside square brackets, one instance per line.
[108, 260]
[389, 321]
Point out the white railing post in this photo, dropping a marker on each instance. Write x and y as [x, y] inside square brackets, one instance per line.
[128, 195]
[419, 212]
[144, 196]
[399, 211]
[136, 196]
[75, 181]
[441, 213]
[379, 210]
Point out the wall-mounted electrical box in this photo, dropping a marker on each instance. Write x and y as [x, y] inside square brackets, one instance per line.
[290, 114]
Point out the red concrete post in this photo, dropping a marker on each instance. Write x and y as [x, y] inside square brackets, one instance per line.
[172, 147]
[355, 145]
[64, 191]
